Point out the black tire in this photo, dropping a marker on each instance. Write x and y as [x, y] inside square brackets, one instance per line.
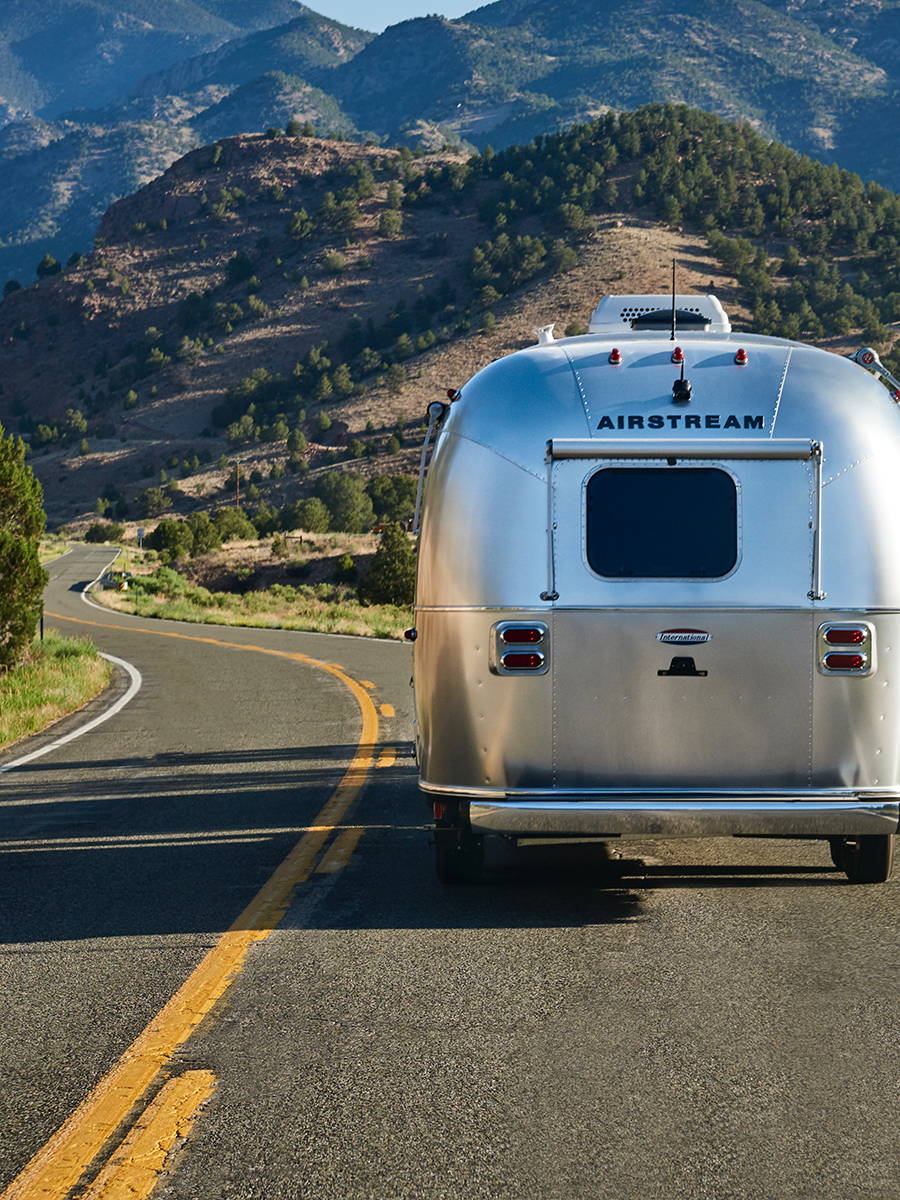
[836, 846]
[459, 856]
[868, 859]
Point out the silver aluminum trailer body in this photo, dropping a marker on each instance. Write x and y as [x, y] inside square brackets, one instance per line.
[707, 593]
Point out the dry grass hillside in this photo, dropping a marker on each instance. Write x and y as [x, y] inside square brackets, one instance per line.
[112, 338]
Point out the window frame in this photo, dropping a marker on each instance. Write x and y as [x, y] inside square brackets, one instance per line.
[663, 464]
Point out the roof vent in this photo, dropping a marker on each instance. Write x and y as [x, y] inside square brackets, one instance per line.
[703, 314]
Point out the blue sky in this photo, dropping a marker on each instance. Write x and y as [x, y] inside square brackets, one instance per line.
[366, 14]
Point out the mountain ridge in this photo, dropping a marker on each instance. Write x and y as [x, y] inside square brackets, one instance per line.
[819, 76]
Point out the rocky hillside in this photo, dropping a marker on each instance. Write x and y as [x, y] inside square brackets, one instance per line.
[133, 95]
[292, 304]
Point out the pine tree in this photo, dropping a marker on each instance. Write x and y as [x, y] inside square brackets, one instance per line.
[392, 576]
[23, 577]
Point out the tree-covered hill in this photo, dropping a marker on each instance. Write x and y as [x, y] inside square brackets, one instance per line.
[292, 302]
[819, 76]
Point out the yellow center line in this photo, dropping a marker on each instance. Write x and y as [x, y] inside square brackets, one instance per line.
[59, 1164]
[387, 710]
[387, 758]
[340, 851]
[134, 1169]
[367, 683]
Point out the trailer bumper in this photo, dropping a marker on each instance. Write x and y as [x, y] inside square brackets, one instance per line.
[688, 817]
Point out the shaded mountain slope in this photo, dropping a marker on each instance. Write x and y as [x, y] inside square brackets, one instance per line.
[69, 53]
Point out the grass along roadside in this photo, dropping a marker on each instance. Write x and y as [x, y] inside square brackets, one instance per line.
[51, 548]
[320, 608]
[61, 675]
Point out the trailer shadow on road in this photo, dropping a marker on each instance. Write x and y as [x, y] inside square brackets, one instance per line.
[179, 843]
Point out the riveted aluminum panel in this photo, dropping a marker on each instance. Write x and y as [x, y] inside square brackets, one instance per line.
[618, 723]
[856, 728]
[484, 530]
[775, 541]
[477, 728]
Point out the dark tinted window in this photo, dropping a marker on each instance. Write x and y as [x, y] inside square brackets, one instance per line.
[661, 522]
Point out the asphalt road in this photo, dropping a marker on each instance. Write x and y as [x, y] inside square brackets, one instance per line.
[719, 1022]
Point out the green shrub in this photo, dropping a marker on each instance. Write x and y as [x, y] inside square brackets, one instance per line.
[347, 500]
[21, 525]
[171, 539]
[392, 576]
[233, 524]
[104, 531]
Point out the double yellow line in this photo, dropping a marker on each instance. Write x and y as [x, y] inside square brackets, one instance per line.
[133, 1166]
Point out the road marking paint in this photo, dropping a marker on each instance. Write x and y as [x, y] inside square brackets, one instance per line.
[367, 683]
[154, 839]
[60, 1164]
[387, 758]
[387, 710]
[340, 851]
[134, 1169]
[133, 689]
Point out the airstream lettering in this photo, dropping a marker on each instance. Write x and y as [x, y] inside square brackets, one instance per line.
[659, 593]
[682, 421]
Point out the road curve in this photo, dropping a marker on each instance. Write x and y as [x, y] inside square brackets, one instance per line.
[719, 1023]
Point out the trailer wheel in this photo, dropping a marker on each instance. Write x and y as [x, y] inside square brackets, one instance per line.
[459, 855]
[868, 859]
[836, 846]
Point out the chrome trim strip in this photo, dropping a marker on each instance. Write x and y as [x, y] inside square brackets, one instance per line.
[670, 608]
[689, 818]
[681, 448]
[815, 591]
[573, 795]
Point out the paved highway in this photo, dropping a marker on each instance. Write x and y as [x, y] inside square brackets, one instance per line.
[228, 972]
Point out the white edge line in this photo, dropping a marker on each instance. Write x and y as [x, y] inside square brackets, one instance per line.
[87, 587]
[355, 637]
[133, 689]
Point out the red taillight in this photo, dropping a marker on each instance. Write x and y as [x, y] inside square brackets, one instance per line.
[522, 662]
[845, 637]
[439, 810]
[678, 355]
[741, 358]
[845, 662]
[521, 636]
[615, 357]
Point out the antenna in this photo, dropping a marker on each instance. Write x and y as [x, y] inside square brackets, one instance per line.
[673, 300]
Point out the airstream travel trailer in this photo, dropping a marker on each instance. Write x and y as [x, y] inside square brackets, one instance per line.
[659, 593]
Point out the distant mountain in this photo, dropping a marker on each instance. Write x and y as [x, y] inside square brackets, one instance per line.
[61, 54]
[265, 101]
[63, 173]
[143, 80]
[516, 68]
[307, 46]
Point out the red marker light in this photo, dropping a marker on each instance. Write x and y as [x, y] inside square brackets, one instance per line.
[845, 637]
[742, 358]
[615, 357]
[520, 636]
[438, 810]
[678, 355]
[845, 662]
[522, 662]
